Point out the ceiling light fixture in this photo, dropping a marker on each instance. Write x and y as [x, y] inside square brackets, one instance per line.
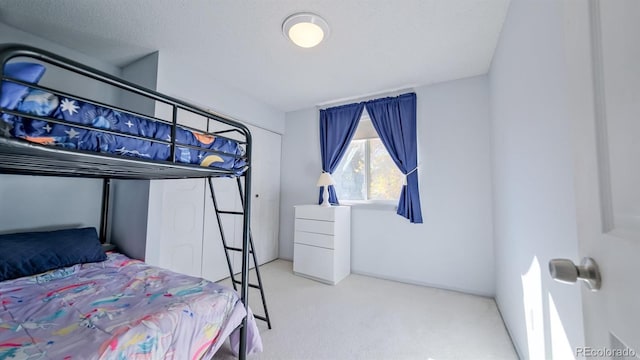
[305, 29]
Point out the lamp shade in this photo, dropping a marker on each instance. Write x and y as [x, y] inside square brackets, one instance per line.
[325, 180]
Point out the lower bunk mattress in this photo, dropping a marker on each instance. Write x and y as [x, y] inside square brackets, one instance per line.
[224, 153]
[118, 309]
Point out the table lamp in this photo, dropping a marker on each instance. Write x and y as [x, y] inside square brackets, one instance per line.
[325, 180]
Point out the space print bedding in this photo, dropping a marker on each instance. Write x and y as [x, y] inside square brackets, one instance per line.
[118, 309]
[33, 101]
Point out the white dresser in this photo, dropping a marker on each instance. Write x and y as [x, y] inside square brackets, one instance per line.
[322, 242]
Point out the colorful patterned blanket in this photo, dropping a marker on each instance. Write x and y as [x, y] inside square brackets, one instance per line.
[117, 309]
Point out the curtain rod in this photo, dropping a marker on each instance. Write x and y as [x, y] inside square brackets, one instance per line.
[367, 97]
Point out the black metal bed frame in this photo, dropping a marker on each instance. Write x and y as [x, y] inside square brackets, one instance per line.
[19, 156]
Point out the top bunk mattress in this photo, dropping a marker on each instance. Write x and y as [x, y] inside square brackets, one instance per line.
[202, 149]
[84, 137]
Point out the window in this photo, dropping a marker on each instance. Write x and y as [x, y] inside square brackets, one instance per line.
[366, 171]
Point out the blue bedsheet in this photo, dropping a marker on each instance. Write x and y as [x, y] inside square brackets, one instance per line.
[42, 103]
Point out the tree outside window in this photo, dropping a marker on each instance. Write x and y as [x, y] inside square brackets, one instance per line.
[366, 171]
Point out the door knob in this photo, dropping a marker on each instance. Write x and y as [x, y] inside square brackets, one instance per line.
[565, 271]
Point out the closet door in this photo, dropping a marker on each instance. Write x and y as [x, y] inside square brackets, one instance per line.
[175, 233]
[265, 208]
[265, 220]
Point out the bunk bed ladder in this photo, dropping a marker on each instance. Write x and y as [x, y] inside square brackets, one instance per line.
[228, 248]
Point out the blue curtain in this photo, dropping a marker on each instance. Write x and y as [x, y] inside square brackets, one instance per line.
[395, 121]
[337, 126]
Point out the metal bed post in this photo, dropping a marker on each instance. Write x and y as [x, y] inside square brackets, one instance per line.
[174, 120]
[244, 290]
[104, 216]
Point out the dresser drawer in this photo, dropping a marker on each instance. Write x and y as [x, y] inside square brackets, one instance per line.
[314, 239]
[313, 261]
[315, 212]
[315, 226]
[322, 246]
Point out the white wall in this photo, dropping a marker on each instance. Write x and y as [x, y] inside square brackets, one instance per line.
[299, 173]
[185, 82]
[62, 80]
[30, 202]
[48, 203]
[534, 206]
[129, 216]
[144, 72]
[454, 247]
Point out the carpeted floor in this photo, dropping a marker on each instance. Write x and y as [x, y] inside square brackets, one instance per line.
[368, 318]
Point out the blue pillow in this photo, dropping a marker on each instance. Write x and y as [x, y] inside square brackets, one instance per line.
[12, 93]
[25, 254]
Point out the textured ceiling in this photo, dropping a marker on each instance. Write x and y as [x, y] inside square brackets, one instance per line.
[374, 45]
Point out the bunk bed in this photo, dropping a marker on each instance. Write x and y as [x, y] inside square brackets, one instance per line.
[45, 131]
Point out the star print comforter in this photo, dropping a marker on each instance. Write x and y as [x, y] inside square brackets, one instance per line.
[117, 309]
[38, 102]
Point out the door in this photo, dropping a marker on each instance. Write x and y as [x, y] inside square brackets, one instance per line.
[179, 205]
[265, 209]
[605, 113]
[265, 220]
[265, 198]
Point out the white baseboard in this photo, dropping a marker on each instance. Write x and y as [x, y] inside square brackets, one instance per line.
[421, 283]
[515, 345]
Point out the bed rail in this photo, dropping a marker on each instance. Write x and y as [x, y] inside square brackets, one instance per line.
[19, 156]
